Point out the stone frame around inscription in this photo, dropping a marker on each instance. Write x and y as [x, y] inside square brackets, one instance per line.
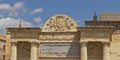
[60, 49]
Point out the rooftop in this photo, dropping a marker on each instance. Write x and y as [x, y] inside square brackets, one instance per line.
[110, 17]
[2, 37]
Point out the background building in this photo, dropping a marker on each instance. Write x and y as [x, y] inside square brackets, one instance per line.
[2, 47]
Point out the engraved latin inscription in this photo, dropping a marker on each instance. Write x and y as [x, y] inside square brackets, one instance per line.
[60, 49]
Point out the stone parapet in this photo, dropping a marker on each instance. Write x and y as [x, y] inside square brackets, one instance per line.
[102, 23]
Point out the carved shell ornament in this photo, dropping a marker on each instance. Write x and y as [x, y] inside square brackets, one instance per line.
[59, 23]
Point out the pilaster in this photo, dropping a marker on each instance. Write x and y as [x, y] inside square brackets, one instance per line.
[83, 51]
[8, 46]
[106, 51]
[13, 51]
[33, 55]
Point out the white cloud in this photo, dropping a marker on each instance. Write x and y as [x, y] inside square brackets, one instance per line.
[13, 14]
[18, 6]
[15, 7]
[12, 22]
[12, 9]
[1, 15]
[37, 19]
[4, 6]
[37, 10]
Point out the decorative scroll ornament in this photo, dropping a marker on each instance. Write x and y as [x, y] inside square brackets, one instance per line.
[60, 23]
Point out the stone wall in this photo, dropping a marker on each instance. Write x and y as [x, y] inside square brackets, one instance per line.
[115, 51]
[62, 58]
[115, 46]
[2, 49]
[95, 50]
[110, 17]
[23, 51]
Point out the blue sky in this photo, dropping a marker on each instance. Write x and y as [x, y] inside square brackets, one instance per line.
[37, 12]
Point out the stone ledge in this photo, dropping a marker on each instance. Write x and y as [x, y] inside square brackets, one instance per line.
[24, 40]
[59, 56]
[70, 41]
[97, 40]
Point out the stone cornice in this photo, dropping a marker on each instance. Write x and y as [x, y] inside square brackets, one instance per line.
[55, 41]
[29, 40]
[13, 30]
[95, 28]
[23, 28]
[102, 23]
[47, 56]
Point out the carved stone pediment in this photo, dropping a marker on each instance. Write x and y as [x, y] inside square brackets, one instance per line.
[60, 23]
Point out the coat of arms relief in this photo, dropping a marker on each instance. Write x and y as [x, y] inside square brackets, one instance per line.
[60, 23]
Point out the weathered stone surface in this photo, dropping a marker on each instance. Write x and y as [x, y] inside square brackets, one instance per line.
[60, 40]
[60, 49]
[59, 36]
[2, 47]
[110, 17]
[57, 58]
[95, 51]
[60, 23]
[23, 50]
[115, 51]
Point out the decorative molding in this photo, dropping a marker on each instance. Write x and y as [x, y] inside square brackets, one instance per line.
[60, 23]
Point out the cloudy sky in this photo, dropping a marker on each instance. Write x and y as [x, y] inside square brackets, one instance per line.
[34, 13]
